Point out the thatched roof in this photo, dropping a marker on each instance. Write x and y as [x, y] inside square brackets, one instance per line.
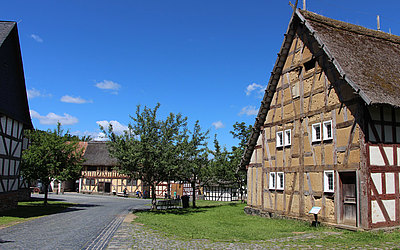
[96, 154]
[5, 29]
[13, 97]
[367, 60]
[370, 59]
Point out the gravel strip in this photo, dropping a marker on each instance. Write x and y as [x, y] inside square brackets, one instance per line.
[137, 236]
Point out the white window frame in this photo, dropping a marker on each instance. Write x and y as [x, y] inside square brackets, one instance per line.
[280, 181]
[279, 136]
[325, 130]
[288, 137]
[328, 173]
[314, 132]
[272, 180]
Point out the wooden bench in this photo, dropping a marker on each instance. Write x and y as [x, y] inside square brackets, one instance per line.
[121, 194]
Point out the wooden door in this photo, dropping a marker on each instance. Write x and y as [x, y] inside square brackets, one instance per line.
[348, 198]
[107, 187]
[100, 187]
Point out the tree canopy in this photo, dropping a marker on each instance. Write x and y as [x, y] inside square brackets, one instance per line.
[163, 150]
[224, 164]
[194, 164]
[50, 155]
[150, 148]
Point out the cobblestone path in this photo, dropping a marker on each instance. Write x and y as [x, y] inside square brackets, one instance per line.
[136, 236]
[88, 225]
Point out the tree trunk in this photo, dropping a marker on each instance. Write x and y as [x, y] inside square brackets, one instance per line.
[46, 192]
[242, 191]
[153, 197]
[194, 191]
[168, 189]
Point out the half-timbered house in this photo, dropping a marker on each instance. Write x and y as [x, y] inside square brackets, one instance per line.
[100, 176]
[14, 116]
[327, 133]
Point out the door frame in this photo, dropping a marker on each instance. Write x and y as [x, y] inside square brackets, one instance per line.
[340, 196]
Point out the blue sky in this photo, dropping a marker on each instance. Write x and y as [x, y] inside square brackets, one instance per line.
[91, 62]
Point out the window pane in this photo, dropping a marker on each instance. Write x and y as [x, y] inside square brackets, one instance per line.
[317, 132]
[280, 175]
[287, 137]
[330, 181]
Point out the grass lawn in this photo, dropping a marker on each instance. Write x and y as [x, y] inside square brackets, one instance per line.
[222, 221]
[30, 210]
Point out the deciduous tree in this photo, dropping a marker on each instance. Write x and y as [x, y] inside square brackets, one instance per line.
[223, 170]
[242, 132]
[50, 156]
[150, 148]
[195, 158]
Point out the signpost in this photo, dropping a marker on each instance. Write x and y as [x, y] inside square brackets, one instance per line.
[315, 211]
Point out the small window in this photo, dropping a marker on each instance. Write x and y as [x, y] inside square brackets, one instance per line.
[272, 180]
[279, 139]
[328, 130]
[280, 181]
[288, 140]
[89, 182]
[316, 132]
[329, 181]
[131, 182]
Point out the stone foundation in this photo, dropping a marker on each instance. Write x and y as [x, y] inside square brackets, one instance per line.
[8, 200]
[259, 212]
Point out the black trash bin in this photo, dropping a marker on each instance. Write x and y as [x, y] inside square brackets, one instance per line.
[185, 201]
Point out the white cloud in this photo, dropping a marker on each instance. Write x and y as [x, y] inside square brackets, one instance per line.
[96, 136]
[257, 88]
[218, 125]
[108, 85]
[118, 128]
[71, 99]
[32, 93]
[100, 137]
[52, 119]
[37, 38]
[249, 110]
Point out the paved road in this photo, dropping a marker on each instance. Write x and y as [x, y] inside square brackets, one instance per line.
[88, 225]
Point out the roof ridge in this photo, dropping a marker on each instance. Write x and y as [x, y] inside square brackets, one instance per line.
[350, 27]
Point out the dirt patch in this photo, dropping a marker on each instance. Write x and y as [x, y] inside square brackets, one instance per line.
[298, 232]
[129, 218]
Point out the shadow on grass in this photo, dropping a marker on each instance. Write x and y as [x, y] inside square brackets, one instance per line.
[36, 208]
[42, 199]
[187, 211]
